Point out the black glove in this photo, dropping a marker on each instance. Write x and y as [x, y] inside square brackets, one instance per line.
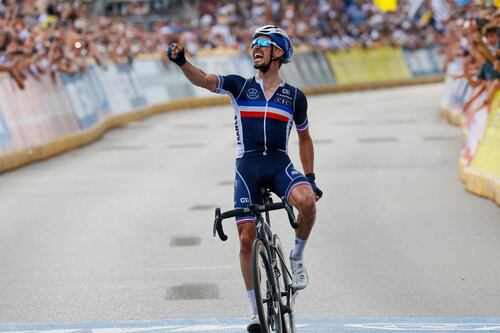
[312, 180]
[181, 57]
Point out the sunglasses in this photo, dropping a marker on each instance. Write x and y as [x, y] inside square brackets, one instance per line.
[261, 42]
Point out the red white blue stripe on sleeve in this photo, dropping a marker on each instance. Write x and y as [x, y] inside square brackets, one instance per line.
[302, 127]
[220, 82]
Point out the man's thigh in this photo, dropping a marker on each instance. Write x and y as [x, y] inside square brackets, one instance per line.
[287, 180]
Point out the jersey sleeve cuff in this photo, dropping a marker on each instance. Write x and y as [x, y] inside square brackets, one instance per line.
[302, 127]
[220, 82]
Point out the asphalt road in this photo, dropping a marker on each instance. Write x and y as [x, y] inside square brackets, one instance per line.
[121, 229]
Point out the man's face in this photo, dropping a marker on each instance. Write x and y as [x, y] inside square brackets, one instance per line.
[492, 38]
[261, 55]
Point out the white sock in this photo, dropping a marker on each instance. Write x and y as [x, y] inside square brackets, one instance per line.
[252, 302]
[298, 250]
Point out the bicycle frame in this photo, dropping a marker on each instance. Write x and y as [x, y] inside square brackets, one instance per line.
[265, 235]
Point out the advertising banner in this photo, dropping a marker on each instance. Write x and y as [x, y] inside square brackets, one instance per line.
[475, 131]
[420, 62]
[487, 157]
[451, 84]
[4, 130]
[307, 70]
[244, 65]
[24, 113]
[4, 134]
[176, 84]
[85, 99]
[368, 65]
[389, 64]
[320, 73]
[436, 58]
[292, 73]
[58, 106]
[121, 87]
[340, 65]
[153, 80]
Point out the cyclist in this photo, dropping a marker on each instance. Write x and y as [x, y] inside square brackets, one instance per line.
[265, 107]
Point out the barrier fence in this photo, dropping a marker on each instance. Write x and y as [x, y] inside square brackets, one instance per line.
[479, 118]
[49, 117]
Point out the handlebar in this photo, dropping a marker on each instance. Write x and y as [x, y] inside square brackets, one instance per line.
[252, 210]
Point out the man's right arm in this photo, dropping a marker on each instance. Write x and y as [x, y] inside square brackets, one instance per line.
[195, 75]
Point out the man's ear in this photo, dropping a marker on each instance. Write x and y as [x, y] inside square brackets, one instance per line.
[278, 52]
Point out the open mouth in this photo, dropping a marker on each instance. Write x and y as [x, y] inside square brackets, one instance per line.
[257, 56]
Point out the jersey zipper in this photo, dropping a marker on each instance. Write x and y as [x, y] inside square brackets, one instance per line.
[265, 134]
[265, 111]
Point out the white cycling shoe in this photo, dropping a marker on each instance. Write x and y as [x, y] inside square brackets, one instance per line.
[299, 273]
[254, 325]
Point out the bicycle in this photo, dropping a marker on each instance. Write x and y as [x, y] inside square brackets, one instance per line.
[275, 296]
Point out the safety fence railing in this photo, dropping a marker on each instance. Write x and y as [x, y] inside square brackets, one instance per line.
[49, 117]
[477, 111]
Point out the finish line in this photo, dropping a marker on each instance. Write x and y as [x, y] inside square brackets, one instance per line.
[230, 325]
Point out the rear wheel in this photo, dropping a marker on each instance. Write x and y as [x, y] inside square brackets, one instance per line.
[266, 293]
[288, 320]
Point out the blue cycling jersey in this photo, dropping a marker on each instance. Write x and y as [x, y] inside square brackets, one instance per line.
[263, 126]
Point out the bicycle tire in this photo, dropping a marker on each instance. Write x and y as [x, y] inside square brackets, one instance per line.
[264, 282]
[288, 319]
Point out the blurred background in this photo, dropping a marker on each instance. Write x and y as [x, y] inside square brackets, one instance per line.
[45, 36]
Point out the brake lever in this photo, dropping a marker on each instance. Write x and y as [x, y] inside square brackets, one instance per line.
[218, 225]
[291, 214]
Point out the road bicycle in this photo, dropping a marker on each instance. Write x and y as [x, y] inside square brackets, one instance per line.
[275, 296]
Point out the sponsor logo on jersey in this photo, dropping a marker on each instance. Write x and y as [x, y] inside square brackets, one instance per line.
[286, 91]
[284, 96]
[245, 200]
[252, 93]
[283, 101]
[237, 129]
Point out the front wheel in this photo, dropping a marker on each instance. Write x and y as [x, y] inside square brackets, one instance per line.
[288, 320]
[266, 289]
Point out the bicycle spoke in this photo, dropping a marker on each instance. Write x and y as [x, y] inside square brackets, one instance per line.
[268, 305]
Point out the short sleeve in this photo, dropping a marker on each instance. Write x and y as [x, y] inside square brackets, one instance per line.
[300, 111]
[230, 84]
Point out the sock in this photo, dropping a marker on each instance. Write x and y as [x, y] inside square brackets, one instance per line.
[252, 302]
[298, 250]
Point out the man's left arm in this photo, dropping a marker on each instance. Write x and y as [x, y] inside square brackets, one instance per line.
[306, 147]
[306, 153]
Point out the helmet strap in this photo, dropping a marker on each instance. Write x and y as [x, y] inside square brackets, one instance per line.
[266, 67]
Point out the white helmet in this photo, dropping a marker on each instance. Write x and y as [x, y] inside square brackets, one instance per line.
[278, 36]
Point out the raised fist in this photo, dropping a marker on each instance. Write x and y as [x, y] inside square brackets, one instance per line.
[176, 54]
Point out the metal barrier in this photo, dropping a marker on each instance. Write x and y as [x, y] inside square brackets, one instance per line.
[51, 117]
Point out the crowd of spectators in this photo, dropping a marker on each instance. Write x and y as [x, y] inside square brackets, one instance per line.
[47, 36]
[474, 39]
[141, 7]
[38, 37]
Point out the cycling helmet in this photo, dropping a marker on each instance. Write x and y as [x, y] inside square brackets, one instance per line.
[278, 36]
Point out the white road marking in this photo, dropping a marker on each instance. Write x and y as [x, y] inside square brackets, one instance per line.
[428, 326]
[133, 329]
[197, 268]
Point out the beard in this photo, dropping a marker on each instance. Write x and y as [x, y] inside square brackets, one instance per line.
[259, 67]
[264, 65]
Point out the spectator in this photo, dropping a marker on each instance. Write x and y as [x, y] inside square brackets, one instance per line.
[51, 36]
